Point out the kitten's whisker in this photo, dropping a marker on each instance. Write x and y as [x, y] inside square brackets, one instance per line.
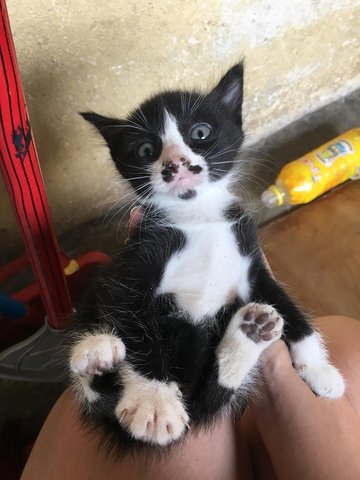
[262, 152]
[120, 200]
[126, 204]
[188, 106]
[182, 102]
[142, 168]
[135, 127]
[138, 178]
[120, 223]
[146, 123]
[211, 148]
[197, 103]
[249, 178]
[250, 162]
[227, 149]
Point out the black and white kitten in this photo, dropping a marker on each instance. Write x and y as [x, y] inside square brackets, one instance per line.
[171, 332]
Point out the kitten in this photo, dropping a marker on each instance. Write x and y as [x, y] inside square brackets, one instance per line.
[171, 333]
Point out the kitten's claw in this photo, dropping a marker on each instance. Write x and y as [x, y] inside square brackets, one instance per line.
[96, 354]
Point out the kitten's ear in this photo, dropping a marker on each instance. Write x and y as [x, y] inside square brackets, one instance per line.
[109, 128]
[229, 91]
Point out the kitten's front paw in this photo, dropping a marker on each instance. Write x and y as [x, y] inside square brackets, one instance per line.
[152, 411]
[323, 378]
[96, 354]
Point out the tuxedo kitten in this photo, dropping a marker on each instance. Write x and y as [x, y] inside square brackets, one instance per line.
[170, 334]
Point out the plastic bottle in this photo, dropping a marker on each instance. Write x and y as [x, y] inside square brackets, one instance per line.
[304, 179]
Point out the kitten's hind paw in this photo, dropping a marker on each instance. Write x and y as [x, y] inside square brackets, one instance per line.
[261, 323]
[324, 379]
[251, 330]
[152, 411]
[96, 354]
[310, 360]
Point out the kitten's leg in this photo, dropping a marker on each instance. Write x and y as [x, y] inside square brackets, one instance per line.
[150, 410]
[251, 330]
[94, 354]
[310, 359]
[307, 351]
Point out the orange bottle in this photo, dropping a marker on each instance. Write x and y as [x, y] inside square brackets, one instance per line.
[304, 179]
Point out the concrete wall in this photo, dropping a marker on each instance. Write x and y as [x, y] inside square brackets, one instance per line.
[108, 56]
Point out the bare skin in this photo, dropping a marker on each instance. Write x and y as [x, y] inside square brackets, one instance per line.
[288, 433]
[301, 435]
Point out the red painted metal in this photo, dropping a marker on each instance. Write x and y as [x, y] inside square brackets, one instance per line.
[20, 167]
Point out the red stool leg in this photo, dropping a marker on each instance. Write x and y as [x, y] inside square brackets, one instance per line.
[20, 167]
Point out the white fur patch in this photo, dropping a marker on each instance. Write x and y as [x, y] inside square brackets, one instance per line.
[172, 136]
[151, 410]
[237, 354]
[84, 390]
[311, 362]
[92, 355]
[96, 353]
[209, 272]
[174, 145]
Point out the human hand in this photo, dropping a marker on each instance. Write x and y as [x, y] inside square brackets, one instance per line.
[135, 216]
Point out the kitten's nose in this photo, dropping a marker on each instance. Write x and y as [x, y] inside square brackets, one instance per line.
[178, 165]
[171, 167]
[176, 160]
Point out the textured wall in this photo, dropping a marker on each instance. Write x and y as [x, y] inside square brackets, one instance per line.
[108, 56]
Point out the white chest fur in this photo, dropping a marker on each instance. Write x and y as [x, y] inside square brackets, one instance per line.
[209, 272]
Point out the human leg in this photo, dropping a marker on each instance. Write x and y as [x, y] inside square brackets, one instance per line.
[306, 436]
[64, 450]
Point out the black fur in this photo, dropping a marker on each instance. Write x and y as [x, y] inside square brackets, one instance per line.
[160, 343]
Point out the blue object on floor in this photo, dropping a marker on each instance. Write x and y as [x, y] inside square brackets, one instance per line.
[12, 308]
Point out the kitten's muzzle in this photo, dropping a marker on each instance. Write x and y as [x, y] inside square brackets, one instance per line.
[178, 169]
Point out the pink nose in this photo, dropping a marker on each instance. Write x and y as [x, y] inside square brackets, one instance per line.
[172, 164]
[178, 165]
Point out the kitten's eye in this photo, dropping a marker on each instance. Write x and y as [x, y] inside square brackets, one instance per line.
[200, 131]
[145, 150]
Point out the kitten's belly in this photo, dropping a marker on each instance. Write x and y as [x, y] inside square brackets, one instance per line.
[208, 273]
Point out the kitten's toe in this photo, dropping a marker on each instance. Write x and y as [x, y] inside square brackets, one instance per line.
[96, 354]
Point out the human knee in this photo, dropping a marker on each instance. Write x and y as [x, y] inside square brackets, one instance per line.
[339, 331]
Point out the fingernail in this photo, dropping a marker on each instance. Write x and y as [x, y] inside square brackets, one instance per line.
[134, 209]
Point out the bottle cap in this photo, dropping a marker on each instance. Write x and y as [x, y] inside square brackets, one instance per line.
[272, 197]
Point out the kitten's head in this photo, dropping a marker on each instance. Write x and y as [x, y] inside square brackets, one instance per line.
[178, 142]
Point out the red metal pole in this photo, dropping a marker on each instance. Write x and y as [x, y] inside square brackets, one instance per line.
[20, 167]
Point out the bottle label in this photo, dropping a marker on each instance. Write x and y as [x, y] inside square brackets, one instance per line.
[314, 169]
[335, 151]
